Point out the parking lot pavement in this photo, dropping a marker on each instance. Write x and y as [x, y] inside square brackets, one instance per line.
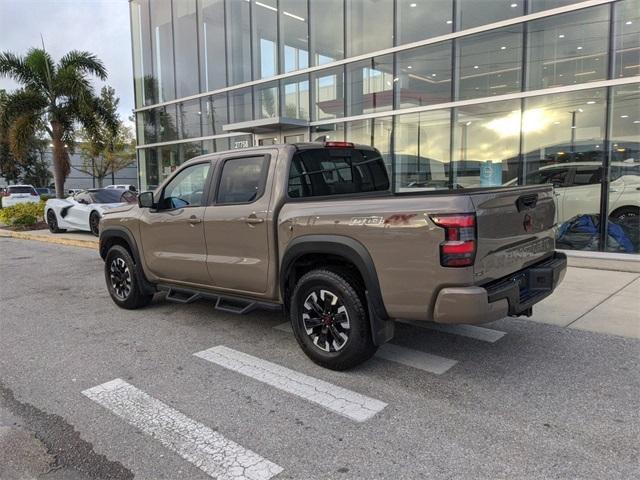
[184, 391]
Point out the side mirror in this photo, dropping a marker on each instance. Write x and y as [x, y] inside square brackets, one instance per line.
[145, 200]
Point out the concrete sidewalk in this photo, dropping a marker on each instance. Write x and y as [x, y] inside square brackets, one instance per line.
[602, 299]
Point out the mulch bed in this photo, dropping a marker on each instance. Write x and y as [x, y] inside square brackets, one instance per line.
[26, 228]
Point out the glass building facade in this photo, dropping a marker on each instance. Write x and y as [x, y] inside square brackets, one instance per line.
[454, 93]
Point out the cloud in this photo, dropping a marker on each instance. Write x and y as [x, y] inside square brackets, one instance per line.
[99, 26]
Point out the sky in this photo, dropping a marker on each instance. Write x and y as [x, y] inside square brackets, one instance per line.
[99, 26]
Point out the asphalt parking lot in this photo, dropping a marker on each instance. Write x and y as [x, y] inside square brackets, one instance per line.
[185, 391]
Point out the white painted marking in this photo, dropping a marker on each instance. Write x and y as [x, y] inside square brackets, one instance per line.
[404, 356]
[470, 331]
[284, 327]
[415, 358]
[337, 399]
[217, 456]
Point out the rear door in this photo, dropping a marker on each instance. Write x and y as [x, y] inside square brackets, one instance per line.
[515, 228]
[237, 223]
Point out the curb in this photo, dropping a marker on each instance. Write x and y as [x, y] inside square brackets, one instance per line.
[58, 240]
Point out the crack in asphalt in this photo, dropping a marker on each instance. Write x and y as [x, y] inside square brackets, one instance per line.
[63, 441]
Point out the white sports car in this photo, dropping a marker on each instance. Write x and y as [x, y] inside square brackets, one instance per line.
[83, 210]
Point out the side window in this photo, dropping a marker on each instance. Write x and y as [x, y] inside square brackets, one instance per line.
[586, 176]
[187, 188]
[242, 180]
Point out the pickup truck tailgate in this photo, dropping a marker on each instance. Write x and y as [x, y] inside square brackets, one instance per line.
[515, 229]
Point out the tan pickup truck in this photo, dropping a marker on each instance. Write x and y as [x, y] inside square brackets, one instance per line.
[314, 229]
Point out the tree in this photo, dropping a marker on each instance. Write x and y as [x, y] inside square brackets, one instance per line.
[55, 97]
[108, 146]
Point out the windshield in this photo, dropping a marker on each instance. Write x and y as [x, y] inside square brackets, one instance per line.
[25, 189]
[107, 196]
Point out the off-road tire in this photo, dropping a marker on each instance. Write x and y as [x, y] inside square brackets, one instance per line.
[359, 346]
[52, 222]
[125, 290]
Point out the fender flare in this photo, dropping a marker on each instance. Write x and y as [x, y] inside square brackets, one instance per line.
[356, 253]
[124, 234]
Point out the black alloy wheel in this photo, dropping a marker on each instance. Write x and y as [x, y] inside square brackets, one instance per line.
[94, 223]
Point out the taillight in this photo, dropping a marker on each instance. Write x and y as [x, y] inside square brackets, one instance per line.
[459, 247]
[338, 144]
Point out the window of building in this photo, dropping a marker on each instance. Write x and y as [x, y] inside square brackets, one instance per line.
[381, 134]
[625, 167]
[370, 85]
[473, 13]
[359, 132]
[420, 20]
[329, 132]
[190, 116]
[264, 15]
[142, 64]
[627, 43]
[242, 180]
[187, 151]
[238, 42]
[167, 161]
[491, 63]
[185, 30]
[328, 93]
[422, 150]
[187, 188]
[327, 30]
[162, 47]
[266, 98]
[539, 5]
[295, 97]
[294, 34]
[214, 114]
[240, 105]
[146, 127]
[369, 26]
[568, 49]
[486, 144]
[423, 75]
[166, 121]
[336, 172]
[212, 45]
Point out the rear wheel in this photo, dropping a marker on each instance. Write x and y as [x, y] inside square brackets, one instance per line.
[52, 221]
[624, 213]
[122, 281]
[94, 223]
[330, 320]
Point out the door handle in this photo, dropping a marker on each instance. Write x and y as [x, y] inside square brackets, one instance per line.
[253, 220]
[193, 220]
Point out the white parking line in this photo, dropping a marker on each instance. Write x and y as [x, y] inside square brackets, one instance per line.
[217, 456]
[404, 356]
[337, 399]
[470, 331]
[415, 358]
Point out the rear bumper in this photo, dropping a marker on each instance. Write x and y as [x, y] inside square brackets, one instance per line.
[512, 295]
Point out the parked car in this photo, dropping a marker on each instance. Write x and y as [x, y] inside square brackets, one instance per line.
[15, 194]
[73, 191]
[46, 192]
[123, 187]
[84, 210]
[313, 229]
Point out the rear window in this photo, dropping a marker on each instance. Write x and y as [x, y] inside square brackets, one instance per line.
[27, 189]
[329, 171]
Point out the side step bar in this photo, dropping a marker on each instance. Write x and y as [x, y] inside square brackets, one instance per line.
[224, 303]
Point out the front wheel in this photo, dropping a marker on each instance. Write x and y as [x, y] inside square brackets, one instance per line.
[94, 223]
[52, 221]
[122, 281]
[330, 320]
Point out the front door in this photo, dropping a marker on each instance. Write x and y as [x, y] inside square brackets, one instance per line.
[237, 224]
[173, 242]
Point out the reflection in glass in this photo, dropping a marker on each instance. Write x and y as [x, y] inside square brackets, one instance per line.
[539, 5]
[141, 41]
[422, 155]
[294, 34]
[162, 46]
[295, 97]
[328, 91]
[185, 30]
[568, 49]
[491, 63]
[266, 98]
[240, 105]
[166, 121]
[190, 117]
[421, 20]
[381, 139]
[215, 114]
[265, 40]
[168, 161]
[473, 13]
[486, 144]
[370, 85]
[212, 44]
[324, 133]
[187, 151]
[627, 43]
[327, 30]
[424, 75]
[359, 131]
[369, 26]
[624, 193]
[238, 42]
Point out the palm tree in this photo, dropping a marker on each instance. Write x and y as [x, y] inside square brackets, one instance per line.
[56, 98]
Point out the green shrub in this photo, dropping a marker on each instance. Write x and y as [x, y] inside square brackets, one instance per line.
[22, 214]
